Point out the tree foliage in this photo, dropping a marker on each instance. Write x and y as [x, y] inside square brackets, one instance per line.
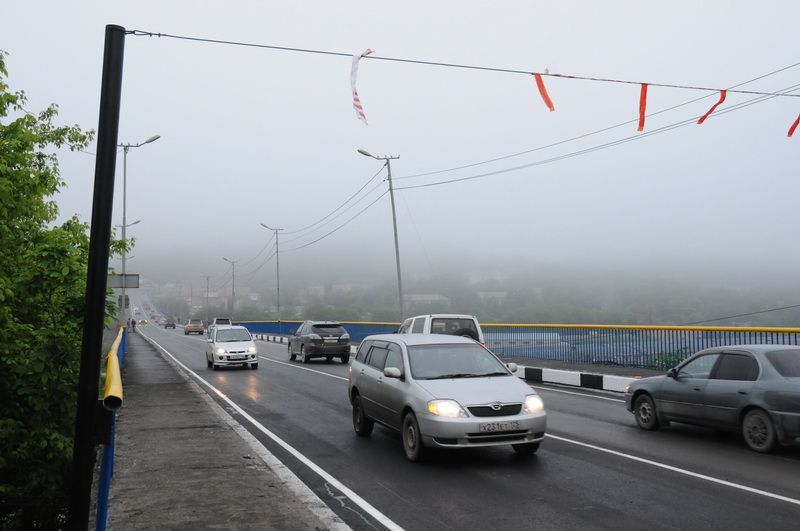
[42, 283]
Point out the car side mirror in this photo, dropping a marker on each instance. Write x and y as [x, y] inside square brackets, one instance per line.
[392, 372]
[512, 367]
[672, 373]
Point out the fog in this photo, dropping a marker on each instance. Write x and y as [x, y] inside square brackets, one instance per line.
[251, 136]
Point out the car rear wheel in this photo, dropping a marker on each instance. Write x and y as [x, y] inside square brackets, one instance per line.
[328, 359]
[361, 423]
[758, 431]
[345, 358]
[412, 438]
[526, 448]
[645, 412]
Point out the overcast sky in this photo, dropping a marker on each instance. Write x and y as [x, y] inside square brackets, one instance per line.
[254, 135]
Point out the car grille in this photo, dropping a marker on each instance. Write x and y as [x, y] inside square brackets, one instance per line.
[487, 411]
[497, 436]
[236, 351]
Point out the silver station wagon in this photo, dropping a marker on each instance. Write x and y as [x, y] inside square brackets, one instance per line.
[442, 391]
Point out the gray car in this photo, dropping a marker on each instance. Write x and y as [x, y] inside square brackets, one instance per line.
[754, 389]
[442, 391]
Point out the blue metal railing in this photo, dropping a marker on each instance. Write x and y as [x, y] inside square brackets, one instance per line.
[650, 347]
[107, 460]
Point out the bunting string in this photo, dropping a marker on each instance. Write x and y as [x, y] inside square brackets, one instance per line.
[543, 92]
[642, 106]
[794, 126]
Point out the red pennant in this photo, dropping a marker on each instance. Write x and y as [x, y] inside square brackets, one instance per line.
[642, 106]
[722, 94]
[794, 126]
[543, 92]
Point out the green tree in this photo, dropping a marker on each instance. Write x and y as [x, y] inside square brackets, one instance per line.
[42, 284]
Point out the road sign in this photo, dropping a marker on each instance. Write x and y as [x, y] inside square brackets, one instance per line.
[129, 280]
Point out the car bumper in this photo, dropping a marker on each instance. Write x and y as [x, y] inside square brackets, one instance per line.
[328, 350]
[251, 358]
[788, 426]
[468, 432]
[194, 330]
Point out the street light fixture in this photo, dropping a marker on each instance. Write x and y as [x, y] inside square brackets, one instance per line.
[233, 282]
[388, 158]
[278, 267]
[125, 148]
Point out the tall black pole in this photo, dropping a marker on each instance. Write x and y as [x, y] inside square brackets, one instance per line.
[94, 311]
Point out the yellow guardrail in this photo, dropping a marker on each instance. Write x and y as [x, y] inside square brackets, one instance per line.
[112, 395]
[776, 330]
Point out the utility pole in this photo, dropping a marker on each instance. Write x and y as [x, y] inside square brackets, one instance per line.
[278, 268]
[394, 223]
[207, 280]
[233, 283]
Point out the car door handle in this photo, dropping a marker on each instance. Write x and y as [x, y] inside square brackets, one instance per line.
[697, 389]
[742, 392]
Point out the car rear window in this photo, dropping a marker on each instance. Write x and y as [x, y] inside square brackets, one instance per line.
[224, 321]
[195, 321]
[786, 362]
[328, 328]
[452, 326]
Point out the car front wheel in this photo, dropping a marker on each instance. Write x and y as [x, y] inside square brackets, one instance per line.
[645, 412]
[758, 431]
[412, 438]
[361, 423]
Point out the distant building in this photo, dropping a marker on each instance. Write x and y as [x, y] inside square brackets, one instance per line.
[493, 297]
[425, 298]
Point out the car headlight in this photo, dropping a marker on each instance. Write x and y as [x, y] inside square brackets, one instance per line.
[446, 408]
[251, 349]
[534, 404]
[220, 350]
[344, 336]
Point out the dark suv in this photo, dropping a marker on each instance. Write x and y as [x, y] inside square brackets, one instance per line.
[320, 339]
[169, 323]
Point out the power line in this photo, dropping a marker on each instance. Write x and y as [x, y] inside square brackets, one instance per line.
[340, 226]
[337, 208]
[613, 143]
[585, 135]
[743, 315]
[141, 33]
[340, 214]
[259, 252]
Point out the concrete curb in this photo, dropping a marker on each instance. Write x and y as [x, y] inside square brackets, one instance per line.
[588, 380]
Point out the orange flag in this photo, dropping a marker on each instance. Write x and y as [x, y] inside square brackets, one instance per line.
[794, 126]
[543, 92]
[722, 94]
[642, 106]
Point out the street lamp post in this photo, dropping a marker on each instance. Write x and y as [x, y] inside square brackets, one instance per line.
[394, 222]
[125, 148]
[233, 283]
[278, 268]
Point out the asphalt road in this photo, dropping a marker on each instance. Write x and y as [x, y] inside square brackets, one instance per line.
[595, 470]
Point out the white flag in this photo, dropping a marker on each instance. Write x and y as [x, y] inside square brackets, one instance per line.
[353, 75]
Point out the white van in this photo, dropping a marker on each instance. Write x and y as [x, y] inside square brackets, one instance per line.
[444, 323]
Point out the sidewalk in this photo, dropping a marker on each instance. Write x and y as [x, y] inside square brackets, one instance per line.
[181, 463]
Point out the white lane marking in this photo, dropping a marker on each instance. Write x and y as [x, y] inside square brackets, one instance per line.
[678, 470]
[576, 393]
[358, 500]
[303, 368]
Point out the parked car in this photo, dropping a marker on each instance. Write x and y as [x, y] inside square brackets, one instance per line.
[442, 391]
[231, 345]
[754, 389]
[169, 323]
[194, 326]
[223, 321]
[444, 323]
[320, 339]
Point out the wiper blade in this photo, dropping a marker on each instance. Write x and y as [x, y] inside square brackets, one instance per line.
[454, 375]
[493, 374]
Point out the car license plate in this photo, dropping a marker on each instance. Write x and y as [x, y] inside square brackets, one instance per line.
[491, 427]
[331, 340]
[237, 357]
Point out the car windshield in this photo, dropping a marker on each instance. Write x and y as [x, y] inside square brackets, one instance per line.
[431, 362]
[786, 362]
[327, 329]
[452, 326]
[233, 334]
